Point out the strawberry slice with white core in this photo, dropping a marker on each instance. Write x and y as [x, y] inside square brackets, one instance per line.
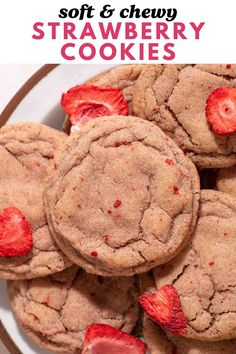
[15, 233]
[105, 339]
[85, 102]
[221, 110]
[164, 307]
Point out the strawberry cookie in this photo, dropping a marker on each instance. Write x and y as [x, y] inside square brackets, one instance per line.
[195, 105]
[116, 84]
[159, 342]
[55, 311]
[196, 291]
[226, 180]
[27, 249]
[121, 196]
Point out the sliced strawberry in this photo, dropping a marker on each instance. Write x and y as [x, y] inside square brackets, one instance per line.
[221, 110]
[82, 103]
[164, 307]
[15, 233]
[104, 339]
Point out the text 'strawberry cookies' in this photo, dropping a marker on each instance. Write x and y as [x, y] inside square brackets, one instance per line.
[121, 77]
[204, 274]
[121, 197]
[159, 342]
[226, 180]
[175, 99]
[55, 311]
[27, 249]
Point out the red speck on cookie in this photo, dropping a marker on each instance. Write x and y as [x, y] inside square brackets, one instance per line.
[79, 206]
[175, 190]
[109, 211]
[225, 233]
[169, 162]
[117, 203]
[211, 264]
[94, 254]
[228, 66]
[164, 307]
[100, 338]
[221, 110]
[85, 102]
[15, 233]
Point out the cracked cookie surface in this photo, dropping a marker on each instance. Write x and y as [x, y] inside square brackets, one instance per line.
[205, 274]
[159, 342]
[25, 150]
[121, 196]
[122, 77]
[56, 310]
[174, 98]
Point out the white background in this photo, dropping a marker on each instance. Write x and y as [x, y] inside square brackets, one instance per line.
[217, 43]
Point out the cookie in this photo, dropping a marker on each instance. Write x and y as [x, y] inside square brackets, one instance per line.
[25, 150]
[159, 342]
[122, 77]
[204, 274]
[56, 310]
[226, 180]
[121, 196]
[174, 98]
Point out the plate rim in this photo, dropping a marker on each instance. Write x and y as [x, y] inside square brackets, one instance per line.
[24, 90]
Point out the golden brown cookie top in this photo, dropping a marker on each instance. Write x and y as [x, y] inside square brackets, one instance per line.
[204, 274]
[122, 197]
[159, 342]
[174, 97]
[25, 150]
[56, 310]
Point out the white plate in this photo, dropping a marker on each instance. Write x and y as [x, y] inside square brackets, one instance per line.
[42, 105]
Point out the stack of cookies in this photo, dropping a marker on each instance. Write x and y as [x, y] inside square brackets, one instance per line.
[110, 218]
